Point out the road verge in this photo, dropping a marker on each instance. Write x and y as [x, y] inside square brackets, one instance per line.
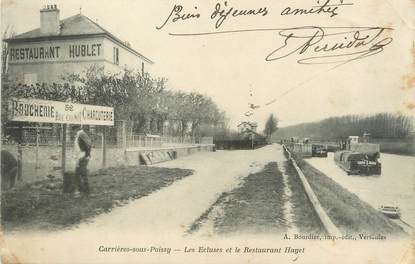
[42, 205]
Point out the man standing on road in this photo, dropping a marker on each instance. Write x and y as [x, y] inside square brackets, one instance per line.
[82, 154]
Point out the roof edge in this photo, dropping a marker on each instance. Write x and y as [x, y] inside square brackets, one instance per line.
[105, 33]
[43, 38]
[119, 41]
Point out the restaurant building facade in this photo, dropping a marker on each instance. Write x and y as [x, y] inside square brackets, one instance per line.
[72, 45]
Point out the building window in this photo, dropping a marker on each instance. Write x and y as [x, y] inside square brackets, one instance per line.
[116, 56]
[30, 78]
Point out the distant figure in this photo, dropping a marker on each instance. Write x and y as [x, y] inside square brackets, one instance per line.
[344, 144]
[8, 170]
[82, 154]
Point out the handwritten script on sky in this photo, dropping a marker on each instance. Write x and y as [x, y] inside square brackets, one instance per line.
[313, 44]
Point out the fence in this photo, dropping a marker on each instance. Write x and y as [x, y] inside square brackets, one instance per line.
[301, 149]
[230, 144]
[114, 137]
[52, 135]
[41, 150]
[164, 141]
[322, 215]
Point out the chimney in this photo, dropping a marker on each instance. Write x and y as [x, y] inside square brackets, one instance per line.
[49, 20]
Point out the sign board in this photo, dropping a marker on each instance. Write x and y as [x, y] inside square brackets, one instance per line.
[56, 51]
[45, 111]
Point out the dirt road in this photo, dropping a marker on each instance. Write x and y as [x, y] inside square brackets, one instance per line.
[185, 200]
[164, 214]
[155, 227]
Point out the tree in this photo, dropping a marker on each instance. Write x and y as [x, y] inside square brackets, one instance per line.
[136, 97]
[191, 114]
[133, 95]
[381, 125]
[270, 126]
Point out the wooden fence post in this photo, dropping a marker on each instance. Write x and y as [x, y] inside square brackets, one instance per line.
[124, 139]
[20, 153]
[37, 151]
[64, 128]
[19, 161]
[104, 148]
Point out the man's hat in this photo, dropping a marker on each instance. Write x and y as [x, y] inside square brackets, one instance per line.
[76, 127]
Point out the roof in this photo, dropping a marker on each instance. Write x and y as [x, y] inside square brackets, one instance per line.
[250, 131]
[74, 26]
[252, 124]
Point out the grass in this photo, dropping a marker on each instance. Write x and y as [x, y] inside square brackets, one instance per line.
[350, 214]
[256, 206]
[306, 219]
[399, 148]
[42, 205]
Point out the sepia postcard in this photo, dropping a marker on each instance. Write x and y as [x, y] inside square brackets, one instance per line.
[207, 131]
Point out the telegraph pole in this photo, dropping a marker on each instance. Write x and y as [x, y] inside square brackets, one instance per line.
[249, 114]
[252, 106]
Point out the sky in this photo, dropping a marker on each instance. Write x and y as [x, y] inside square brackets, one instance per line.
[227, 67]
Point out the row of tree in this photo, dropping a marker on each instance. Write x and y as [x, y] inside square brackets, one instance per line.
[382, 125]
[138, 98]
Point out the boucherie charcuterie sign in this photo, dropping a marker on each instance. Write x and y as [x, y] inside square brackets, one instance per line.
[45, 111]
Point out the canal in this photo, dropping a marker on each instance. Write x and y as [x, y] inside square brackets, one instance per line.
[395, 186]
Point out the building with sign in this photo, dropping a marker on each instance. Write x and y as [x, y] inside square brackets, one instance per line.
[60, 47]
[247, 127]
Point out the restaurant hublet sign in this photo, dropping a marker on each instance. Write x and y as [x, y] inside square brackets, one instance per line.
[45, 111]
[61, 51]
